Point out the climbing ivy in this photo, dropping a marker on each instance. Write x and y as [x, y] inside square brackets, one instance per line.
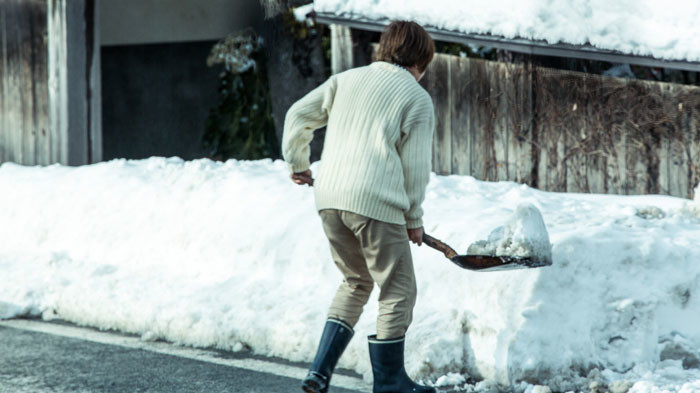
[240, 124]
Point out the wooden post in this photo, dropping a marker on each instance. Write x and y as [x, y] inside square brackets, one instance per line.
[23, 85]
[74, 82]
[341, 49]
[350, 48]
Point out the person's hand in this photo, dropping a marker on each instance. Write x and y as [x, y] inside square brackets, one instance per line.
[416, 235]
[302, 178]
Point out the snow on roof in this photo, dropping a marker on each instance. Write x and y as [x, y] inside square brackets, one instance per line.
[663, 29]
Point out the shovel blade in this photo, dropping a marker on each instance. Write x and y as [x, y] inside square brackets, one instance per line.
[488, 263]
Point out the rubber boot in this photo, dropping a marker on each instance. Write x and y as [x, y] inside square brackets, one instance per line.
[388, 367]
[336, 336]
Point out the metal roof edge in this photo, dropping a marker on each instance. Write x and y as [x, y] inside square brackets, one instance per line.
[521, 45]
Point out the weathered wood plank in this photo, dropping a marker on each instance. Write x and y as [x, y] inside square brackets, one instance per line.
[577, 146]
[72, 102]
[692, 139]
[551, 133]
[561, 138]
[341, 49]
[478, 152]
[442, 100]
[642, 173]
[12, 75]
[547, 151]
[483, 162]
[499, 81]
[22, 80]
[41, 94]
[29, 81]
[4, 124]
[519, 121]
[27, 138]
[671, 160]
[615, 140]
[427, 83]
[460, 114]
[596, 160]
[694, 148]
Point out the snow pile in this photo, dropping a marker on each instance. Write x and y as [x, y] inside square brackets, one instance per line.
[301, 13]
[524, 235]
[451, 379]
[667, 30]
[232, 255]
[692, 209]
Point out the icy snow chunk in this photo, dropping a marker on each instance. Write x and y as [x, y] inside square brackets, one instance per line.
[650, 213]
[619, 386]
[692, 208]
[451, 379]
[149, 336]
[627, 334]
[524, 235]
[538, 389]
[677, 347]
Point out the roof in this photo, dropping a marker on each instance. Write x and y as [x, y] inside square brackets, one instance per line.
[643, 32]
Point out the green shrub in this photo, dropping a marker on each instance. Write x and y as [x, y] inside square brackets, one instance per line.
[240, 125]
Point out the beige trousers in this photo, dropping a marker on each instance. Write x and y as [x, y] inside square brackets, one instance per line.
[368, 251]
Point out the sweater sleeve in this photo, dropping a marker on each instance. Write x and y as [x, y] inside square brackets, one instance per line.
[415, 150]
[302, 119]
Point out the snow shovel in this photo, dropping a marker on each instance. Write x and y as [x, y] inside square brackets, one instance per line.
[483, 263]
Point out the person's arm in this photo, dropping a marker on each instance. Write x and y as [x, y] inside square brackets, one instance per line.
[415, 150]
[302, 119]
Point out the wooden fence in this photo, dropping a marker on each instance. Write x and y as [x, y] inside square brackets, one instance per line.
[564, 131]
[49, 82]
[24, 92]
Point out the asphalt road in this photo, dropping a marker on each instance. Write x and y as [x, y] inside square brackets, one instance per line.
[40, 361]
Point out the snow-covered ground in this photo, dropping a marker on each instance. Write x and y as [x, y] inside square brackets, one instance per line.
[232, 255]
[664, 29]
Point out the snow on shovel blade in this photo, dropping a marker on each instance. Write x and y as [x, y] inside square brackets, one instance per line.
[483, 263]
[488, 263]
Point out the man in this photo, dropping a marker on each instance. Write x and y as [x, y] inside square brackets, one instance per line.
[375, 166]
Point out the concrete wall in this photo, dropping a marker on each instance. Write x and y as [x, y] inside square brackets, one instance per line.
[125, 22]
[155, 99]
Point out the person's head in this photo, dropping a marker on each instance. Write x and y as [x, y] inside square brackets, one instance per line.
[406, 44]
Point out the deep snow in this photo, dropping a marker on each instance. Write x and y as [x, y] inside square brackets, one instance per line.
[232, 255]
[664, 29]
[524, 235]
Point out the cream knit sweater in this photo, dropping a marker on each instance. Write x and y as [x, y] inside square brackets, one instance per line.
[376, 158]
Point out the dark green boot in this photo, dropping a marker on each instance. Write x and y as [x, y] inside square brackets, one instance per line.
[388, 367]
[336, 336]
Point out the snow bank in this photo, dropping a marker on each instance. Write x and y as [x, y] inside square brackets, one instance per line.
[524, 235]
[232, 255]
[667, 30]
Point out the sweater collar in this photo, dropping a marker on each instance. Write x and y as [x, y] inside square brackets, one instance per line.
[393, 68]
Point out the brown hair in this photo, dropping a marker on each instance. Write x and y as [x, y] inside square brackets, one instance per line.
[406, 44]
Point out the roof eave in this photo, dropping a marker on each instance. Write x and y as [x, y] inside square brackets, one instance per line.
[520, 45]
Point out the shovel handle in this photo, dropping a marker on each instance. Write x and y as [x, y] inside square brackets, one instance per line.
[439, 245]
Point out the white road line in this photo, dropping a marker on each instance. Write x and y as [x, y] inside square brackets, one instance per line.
[171, 349]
